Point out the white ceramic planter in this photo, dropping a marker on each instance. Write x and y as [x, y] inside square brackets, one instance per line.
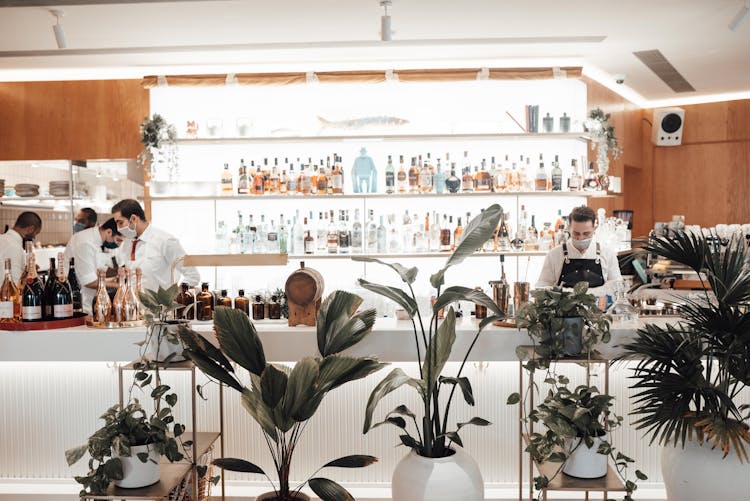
[584, 462]
[271, 496]
[698, 473]
[137, 474]
[165, 348]
[454, 478]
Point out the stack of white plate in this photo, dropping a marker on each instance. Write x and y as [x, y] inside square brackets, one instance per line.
[27, 190]
[59, 188]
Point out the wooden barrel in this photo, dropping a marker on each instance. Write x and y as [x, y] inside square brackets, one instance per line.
[304, 286]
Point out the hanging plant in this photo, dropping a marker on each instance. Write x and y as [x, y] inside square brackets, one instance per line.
[159, 147]
[603, 138]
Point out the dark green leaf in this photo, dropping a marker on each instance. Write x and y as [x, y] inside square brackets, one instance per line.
[458, 293]
[394, 420]
[213, 369]
[395, 379]
[300, 387]
[464, 384]
[394, 294]
[410, 442]
[339, 326]
[239, 465]
[454, 437]
[640, 475]
[514, 398]
[73, 455]
[475, 421]
[355, 461]
[171, 399]
[328, 490]
[273, 385]
[439, 349]
[408, 275]
[239, 340]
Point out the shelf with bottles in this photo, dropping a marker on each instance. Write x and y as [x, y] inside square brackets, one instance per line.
[409, 255]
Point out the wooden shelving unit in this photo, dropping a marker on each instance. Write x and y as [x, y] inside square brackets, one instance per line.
[611, 482]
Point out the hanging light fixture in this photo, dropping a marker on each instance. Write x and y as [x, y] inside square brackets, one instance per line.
[740, 18]
[58, 29]
[385, 21]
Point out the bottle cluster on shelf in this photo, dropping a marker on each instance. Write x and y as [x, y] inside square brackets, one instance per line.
[421, 175]
[329, 233]
[201, 306]
[126, 305]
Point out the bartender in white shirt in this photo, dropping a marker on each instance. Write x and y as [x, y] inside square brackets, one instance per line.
[149, 248]
[579, 259]
[27, 227]
[86, 247]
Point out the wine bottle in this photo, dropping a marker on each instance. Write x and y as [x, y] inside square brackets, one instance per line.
[48, 286]
[75, 289]
[10, 304]
[32, 293]
[62, 298]
[102, 307]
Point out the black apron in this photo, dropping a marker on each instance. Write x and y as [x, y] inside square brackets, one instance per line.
[581, 270]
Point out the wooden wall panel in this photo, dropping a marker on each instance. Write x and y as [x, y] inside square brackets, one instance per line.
[71, 120]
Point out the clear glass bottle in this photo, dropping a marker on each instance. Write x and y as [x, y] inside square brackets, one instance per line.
[259, 185]
[332, 236]
[467, 180]
[592, 179]
[540, 179]
[382, 233]
[557, 175]
[118, 303]
[371, 233]
[10, 299]
[291, 182]
[457, 233]
[338, 175]
[357, 237]
[393, 237]
[321, 240]
[425, 178]
[243, 182]
[390, 177]
[574, 181]
[624, 315]
[227, 183]
[102, 307]
[31, 293]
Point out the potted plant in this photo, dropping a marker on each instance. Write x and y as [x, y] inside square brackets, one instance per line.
[436, 468]
[162, 336]
[159, 139]
[690, 376]
[282, 399]
[563, 322]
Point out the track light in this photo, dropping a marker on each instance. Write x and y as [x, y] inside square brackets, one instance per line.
[58, 29]
[385, 21]
[740, 18]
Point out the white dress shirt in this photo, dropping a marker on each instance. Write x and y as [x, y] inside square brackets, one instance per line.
[85, 247]
[155, 252]
[11, 247]
[553, 265]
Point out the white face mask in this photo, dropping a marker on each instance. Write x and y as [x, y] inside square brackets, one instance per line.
[581, 245]
[128, 232]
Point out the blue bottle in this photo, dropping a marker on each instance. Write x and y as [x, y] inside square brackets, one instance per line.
[438, 179]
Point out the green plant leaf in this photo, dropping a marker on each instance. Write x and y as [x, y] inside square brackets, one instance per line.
[640, 475]
[328, 490]
[239, 340]
[301, 387]
[397, 421]
[513, 398]
[410, 442]
[439, 349]
[273, 383]
[194, 341]
[336, 370]
[213, 369]
[475, 421]
[254, 405]
[464, 384]
[354, 461]
[338, 326]
[238, 465]
[408, 275]
[394, 294]
[395, 379]
[454, 437]
[72, 456]
[458, 293]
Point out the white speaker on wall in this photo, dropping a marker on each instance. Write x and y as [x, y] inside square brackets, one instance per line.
[666, 129]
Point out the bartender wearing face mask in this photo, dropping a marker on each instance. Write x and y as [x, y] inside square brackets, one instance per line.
[12, 242]
[579, 258]
[151, 249]
[85, 219]
[86, 247]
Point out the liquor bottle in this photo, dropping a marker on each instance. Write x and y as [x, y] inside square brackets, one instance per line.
[574, 181]
[592, 180]
[371, 234]
[531, 243]
[224, 300]
[259, 308]
[445, 236]
[291, 183]
[258, 183]
[345, 236]
[467, 180]
[503, 237]
[483, 179]
[185, 298]
[31, 293]
[382, 233]
[298, 235]
[407, 232]
[309, 243]
[425, 178]
[241, 302]
[273, 181]
[29, 247]
[453, 183]
[321, 182]
[438, 179]
[118, 303]
[205, 304]
[332, 235]
[357, 239]
[329, 176]
[390, 177]
[62, 299]
[413, 176]
[10, 299]
[283, 183]
[457, 234]
[402, 177]
[556, 175]
[338, 175]
[283, 235]
[434, 234]
[274, 308]
[540, 180]
[132, 308]
[75, 289]
[48, 286]
[393, 236]
[243, 183]
[272, 238]
[546, 237]
[101, 309]
[498, 178]
[227, 185]
[322, 233]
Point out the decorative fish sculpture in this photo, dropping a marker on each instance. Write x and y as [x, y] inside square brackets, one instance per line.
[364, 122]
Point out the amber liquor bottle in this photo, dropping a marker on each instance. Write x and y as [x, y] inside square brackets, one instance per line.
[241, 302]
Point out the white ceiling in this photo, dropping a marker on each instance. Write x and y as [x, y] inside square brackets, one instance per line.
[294, 35]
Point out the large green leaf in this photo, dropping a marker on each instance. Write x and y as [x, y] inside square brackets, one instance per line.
[213, 369]
[301, 388]
[408, 275]
[196, 342]
[73, 455]
[458, 293]
[463, 383]
[239, 465]
[273, 385]
[394, 380]
[239, 340]
[355, 461]
[336, 370]
[328, 490]
[439, 349]
[476, 233]
[263, 415]
[338, 326]
[475, 421]
[394, 294]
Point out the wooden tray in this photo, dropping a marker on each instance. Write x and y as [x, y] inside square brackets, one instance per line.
[45, 325]
[114, 325]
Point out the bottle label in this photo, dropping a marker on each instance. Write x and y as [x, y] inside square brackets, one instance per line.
[6, 309]
[389, 179]
[31, 313]
[338, 181]
[62, 310]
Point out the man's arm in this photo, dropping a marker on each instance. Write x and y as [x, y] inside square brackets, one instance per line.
[549, 276]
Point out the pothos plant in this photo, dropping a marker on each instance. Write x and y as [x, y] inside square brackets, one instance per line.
[598, 124]
[432, 436]
[132, 425]
[572, 418]
[159, 145]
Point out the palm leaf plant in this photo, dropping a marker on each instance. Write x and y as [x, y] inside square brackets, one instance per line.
[282, 399]
[689, 375]
[433, 345]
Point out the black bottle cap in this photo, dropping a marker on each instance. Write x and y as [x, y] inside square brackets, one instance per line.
[241, 292]
[223, 292]
[257, 298]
